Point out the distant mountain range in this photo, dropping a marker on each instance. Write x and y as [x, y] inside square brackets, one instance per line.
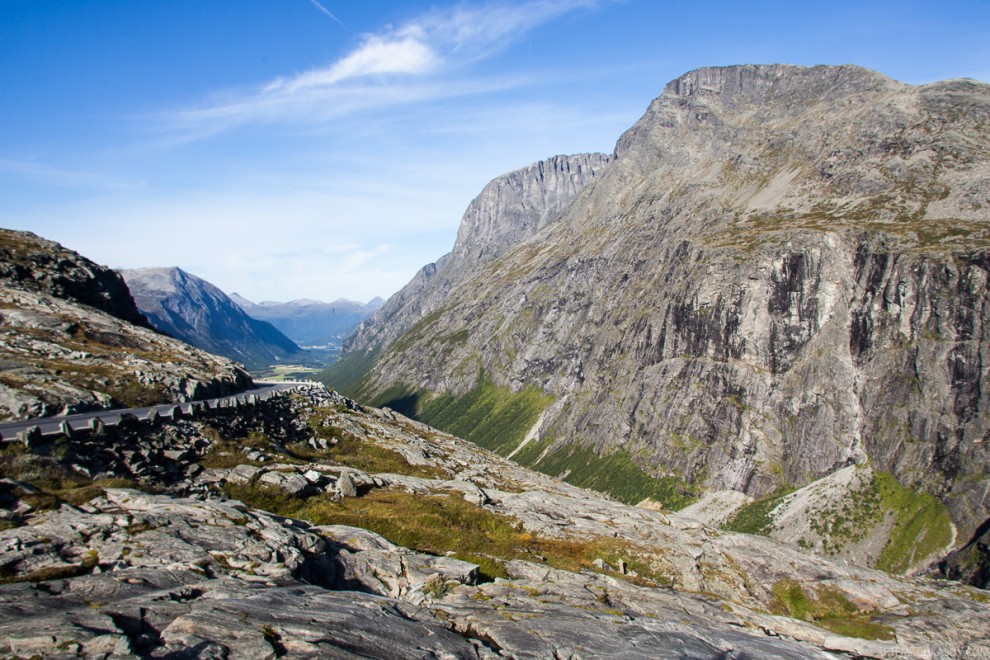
[311, 322]
[197, 312]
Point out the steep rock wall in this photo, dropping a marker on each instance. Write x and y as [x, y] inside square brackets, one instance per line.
[784, 272]
[510, 209]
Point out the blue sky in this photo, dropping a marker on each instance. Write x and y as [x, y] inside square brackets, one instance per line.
[327, 149]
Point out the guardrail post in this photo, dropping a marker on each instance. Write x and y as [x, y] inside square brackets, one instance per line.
[96, 426]
[30, 436]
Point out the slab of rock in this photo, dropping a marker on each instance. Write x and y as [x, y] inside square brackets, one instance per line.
[370, 562]
[243, 473]
[345, 486]
[715, 507]
[291, 483]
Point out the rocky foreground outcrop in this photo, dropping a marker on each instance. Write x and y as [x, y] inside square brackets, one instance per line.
[71, 339]
[489, 558]
[782, 273]
[31, 263]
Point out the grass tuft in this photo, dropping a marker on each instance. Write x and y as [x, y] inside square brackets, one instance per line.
[922, 526]
[828, 607]
[755, 518]
[615, 473]
[445, 523]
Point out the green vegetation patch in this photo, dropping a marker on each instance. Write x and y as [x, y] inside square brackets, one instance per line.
[615, 473]
[919, 524]
[344, 374]
[493, 417]
[489, 415]
[922, 525]
[444, 523]
[755, 518]
[828, 607]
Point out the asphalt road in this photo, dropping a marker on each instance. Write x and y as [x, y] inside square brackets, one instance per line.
[9, 430]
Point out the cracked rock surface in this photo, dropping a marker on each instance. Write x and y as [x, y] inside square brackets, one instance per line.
[187, 572]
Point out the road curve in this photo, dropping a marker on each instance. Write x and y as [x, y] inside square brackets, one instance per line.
[49, 425]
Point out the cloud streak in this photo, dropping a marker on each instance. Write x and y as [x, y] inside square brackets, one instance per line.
[326, 11]
[476, 32]
[375, 56]
[422, 59]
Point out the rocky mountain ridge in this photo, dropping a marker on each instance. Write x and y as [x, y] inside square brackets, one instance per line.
[72, 339]
[510, 209]
[197, 312]
[782, 273]
[33, 264]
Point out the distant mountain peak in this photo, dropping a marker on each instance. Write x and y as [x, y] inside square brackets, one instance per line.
[775, 80]
[312, 322]
[241, 300]
[198, 312]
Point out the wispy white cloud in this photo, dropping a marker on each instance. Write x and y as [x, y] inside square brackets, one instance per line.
[421, 59]
[472, 32]
[265, 239]
[375, 56]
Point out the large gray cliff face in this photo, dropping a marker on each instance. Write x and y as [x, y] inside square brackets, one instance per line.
[785, 271]
[510, 209]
